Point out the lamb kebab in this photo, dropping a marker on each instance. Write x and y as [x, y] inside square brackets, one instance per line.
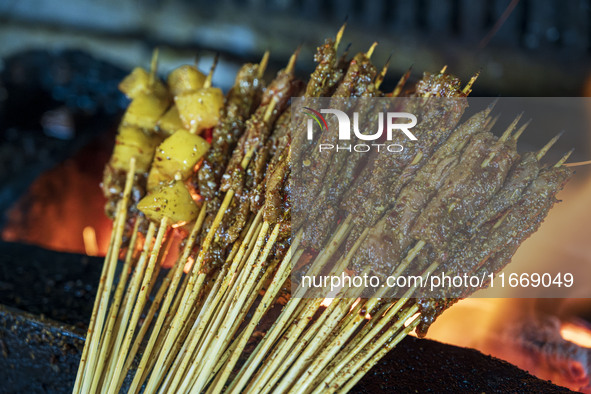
[450, 188]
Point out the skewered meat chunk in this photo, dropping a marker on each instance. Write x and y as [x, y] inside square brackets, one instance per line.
[240, 103]
[355, 83]
[466, 191]
[273, 103]
[520, 176]
[495, 243]
[375, 188]
[414, 197]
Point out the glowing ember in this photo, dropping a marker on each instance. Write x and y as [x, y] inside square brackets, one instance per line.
[576, 334]
[90, 243]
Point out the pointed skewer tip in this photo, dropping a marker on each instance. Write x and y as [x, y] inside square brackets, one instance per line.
[491, 106]
[401, 82]
[382, 74]
[154, 66]
[209, 79]
[511, 127]
[291, 64]
[371, 49]
[468, 88]
[263, 64]
[549, 145]
[521, 130]
[339, 36]
[492, 122]
[564, 158]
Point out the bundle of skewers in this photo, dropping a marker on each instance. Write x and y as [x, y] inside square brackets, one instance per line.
[216, 173]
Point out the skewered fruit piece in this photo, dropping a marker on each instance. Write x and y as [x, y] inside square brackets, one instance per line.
[170, 121]
[172, 201]
[133, 142]
[138, 81]
[176, 157]
[200, 109]
[185, 79]
[145, 110]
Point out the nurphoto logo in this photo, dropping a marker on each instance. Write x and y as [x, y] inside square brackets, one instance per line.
[391, 122]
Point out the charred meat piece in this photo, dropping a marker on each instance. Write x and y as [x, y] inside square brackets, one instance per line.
[356, 81]
[495, 243]
[379, 183]
[241, 101]
[520, 176]
[466, 191]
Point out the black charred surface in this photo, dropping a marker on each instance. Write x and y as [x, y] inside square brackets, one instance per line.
[60, 286]
[37, 355]
[425, 366]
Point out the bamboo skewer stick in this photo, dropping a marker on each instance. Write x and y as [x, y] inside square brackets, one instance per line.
[400, 85]
[338, 341]
[256, 357]
[278, 280]
[222, 303]
[371, 50]
[213, 299]
[521, 130]
[92, 324]
[542, 152]
[564, 158]
[239, 253]
[234, 330]
[344, 356]
[296, 338]
[268, 114]
[163, 376]
[335, 376]
[146, 323]
[222, 283]
[369, 331]
[189, 295]
[191, 291]
[153, 67]
[138, 308]
[286, 343]
[170, 293]
[339, 36]
[263, 348]
[385, 348]
[306, 349]
[130, 296]
[121, 217]
[106, 341]
[468, 88]
[318, 332]
[380, 78]
[238, 301]
[510, 129]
